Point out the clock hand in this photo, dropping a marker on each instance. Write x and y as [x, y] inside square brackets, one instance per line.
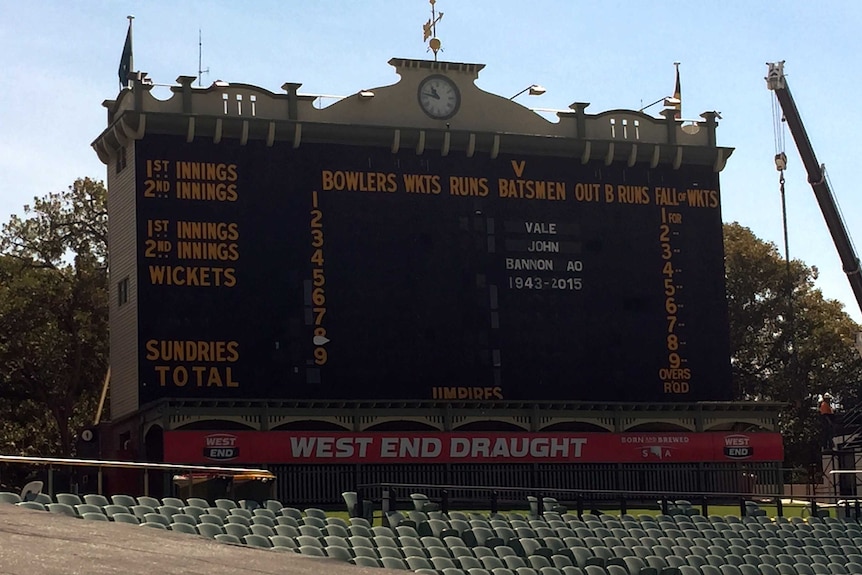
[431, 94]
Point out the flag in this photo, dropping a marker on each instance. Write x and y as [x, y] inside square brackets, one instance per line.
[677, 95]
[126, 59]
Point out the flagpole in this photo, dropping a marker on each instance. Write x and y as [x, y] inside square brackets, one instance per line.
[132, 55]
[126, 63]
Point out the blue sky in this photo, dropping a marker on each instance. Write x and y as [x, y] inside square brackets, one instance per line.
[59, 62]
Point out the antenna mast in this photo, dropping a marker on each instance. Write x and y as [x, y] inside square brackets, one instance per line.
[201, 71]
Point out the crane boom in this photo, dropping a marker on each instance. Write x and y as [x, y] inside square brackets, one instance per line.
[776, 82]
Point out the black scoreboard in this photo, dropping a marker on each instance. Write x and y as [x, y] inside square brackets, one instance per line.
[347, 272]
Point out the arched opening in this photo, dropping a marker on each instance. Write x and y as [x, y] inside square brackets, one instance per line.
[310, 425]
[658, 427]
[576, 426]
[401, 425]
[215, 425]
[490, 425]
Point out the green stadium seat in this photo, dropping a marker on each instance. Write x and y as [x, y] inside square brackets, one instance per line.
[151, 502]
[310, 530]
[282, 520]
[87, 508]
[226, 504]
[70, 499]
[287, 530]
[267, 521]
[393, 563]
[263, 530]
[210, 529]
[491, 562]
[168, 510]
[227, 538]
[238, 519]
[96, 499]
[209, 518]
[9, 497]
[156, 518]
[253, 540]
[183, 528]
[236, 529]
[315, 512]
[62, 509]
[113, 509]
[153, 525]
[197, 502]
[290, 512]
[240, 512]
[313, 551]
[514, 561]
[126, 518]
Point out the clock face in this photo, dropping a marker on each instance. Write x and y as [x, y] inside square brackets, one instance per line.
[439, 97]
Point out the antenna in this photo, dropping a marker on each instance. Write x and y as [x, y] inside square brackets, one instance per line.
[201, 71]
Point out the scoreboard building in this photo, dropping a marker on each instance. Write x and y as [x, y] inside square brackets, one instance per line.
[423, 282]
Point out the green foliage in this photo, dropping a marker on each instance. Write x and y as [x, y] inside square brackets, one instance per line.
[53, 319]
[788, 343]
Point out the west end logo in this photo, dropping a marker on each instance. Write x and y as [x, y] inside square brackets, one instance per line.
[738, 447]
[221, 447]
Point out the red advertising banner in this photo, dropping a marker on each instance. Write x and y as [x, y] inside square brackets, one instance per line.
[261, 447]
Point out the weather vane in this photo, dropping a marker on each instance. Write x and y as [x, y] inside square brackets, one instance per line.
[429, 30]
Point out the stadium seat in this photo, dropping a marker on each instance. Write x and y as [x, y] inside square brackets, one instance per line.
[87, 508]
[113, 509]
[363, 561]
[62, 509]
[282, 520]
[125, 518]
[193, 511]
[154, 525]
[183, 528]
[197, 502]
[236, 529]
[209, 529]
[287, 530]
[151, 502]
[96, 499]
[156, 518]
[393, 563]
[239, 519]
[168, 510]
[316, 512]
[264, 513]
[240, 512]
[140, 510]
[209, 518]
[283, 541]
[253, 540]
[264, 530]
[226, 504]
[290, 512]
[69, 499]
[173, 502]
[9, 497]
[227, 538]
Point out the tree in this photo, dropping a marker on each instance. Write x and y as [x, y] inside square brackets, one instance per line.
[53, 318]
[788, 343]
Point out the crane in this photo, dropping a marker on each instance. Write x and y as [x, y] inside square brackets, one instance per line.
[776, 82]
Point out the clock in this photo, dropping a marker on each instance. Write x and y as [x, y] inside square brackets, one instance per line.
[439, 97]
